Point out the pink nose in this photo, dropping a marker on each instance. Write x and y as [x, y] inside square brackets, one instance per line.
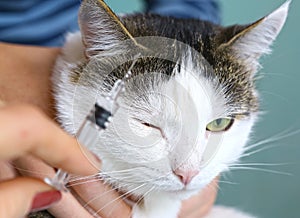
[186, 176]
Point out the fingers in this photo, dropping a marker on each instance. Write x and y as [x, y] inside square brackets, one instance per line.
[25, 129]
[68, 206]
[26, 133]
[30, 166]
[102, 199]
[6, 171]
[16, 195]
[97, 196]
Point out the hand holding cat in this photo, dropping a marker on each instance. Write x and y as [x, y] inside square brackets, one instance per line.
[25, 130]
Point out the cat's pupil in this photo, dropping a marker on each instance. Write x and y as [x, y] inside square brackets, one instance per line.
[218, 121]
[147, 124]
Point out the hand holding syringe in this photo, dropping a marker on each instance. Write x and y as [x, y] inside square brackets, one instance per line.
[98, 118]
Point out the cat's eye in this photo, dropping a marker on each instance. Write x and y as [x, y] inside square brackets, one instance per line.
[152, 126]
[220, 125]
[148, 125]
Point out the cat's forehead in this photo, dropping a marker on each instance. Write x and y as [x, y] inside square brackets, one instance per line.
[189, 92]
[234, 75]
[224, 89]
[194, 97]
[221, 89]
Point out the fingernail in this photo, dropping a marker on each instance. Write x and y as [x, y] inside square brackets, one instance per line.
[44, 200]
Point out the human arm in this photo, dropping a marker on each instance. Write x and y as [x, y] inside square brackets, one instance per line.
[200, 9]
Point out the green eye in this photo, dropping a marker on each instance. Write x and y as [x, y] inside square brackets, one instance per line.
[220, 124]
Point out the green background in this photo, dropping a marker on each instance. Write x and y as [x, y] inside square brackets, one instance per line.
[267, 195]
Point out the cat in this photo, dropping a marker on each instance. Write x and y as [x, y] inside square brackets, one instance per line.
[187, 110]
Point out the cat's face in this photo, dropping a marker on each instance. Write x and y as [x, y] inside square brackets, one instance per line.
[188, 109]
[173, 135]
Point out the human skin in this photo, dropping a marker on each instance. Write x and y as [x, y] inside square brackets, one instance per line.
[25, 73]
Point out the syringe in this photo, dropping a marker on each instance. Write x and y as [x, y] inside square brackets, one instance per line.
[98, 118]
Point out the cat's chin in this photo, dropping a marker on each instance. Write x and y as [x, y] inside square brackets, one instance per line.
[184, 193]
[179, 194]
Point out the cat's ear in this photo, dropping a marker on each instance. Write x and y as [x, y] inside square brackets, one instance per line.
[250, 42]
[101, 29]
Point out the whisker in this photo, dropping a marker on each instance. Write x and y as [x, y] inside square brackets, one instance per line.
[145, 194]
[79, 178]
[97, 197]
[135, 182]
[131, 179]
[262, 170]
[118, 198]
[104, 174]
[259, 150]
[261, 164]
[227, 182]
[124, 170]
[39, 173]
[280, 97]
[83, 182]
[282, 135]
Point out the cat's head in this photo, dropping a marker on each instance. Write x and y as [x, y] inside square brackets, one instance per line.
[188, 110]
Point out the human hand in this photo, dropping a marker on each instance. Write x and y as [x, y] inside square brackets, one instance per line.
[25, 130]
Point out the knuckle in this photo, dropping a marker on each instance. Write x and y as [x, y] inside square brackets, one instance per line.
[29, 122]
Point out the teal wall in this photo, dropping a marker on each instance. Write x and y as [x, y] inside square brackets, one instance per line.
[125, 6]
[267, 195]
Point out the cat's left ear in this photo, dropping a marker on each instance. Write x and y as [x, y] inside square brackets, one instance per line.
[250, 42]
[101, 29]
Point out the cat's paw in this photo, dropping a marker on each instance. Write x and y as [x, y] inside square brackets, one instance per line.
[225, 212]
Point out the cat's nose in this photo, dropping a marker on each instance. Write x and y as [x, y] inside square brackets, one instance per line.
[186, 176]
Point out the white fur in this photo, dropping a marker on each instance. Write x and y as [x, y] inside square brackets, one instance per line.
[180, 108]
[224, 212]
[258, 40]
[157, 205]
